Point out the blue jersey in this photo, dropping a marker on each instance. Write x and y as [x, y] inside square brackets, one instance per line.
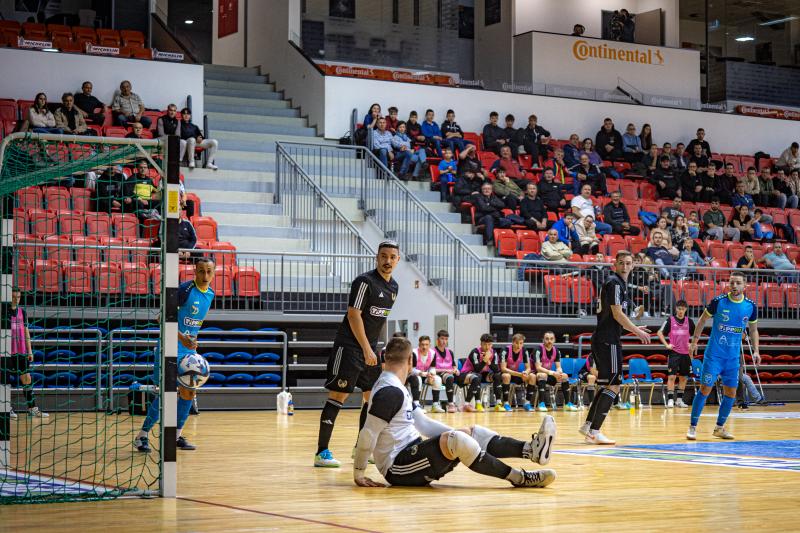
[193, 306]
[731, 317]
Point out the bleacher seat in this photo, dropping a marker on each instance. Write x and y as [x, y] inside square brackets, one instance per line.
[557, 289]
[43, 222]
[29, 198]
[239, 380]
[98, 224]
[528, 241]
[114, 250]
[248, 282]
[238, 358]
[136, 280]
[267, 380]
[206, 227]
[108, 279]
[77, 278]
[57, 198]
[223, 281]
[70, 223]
[61, 355]
[215, 379]
[126, 225]
[58, 248]
[266, 358]
[48, 277]
[505, 240]
[61, 380]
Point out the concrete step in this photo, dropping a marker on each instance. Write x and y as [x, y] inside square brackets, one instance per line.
[234, 76]
[253, 110]
[243, 160]
[224, 175]
[256, 124]
[242, 186]
[208, 196]
[248, 118]
[259, 87]
[242, 93]
[255, 142]
[208, 67]
[255, 103]
[228, 232]
[269, 244]
[214, 208]
[226, 219]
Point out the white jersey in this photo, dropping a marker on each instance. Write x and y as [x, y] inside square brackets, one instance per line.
[401, 431]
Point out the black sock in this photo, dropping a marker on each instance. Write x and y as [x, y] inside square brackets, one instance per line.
[29, 399]
[326, 422]
[497, 385]
[565, 391]
[530, 390]
[506, 390]
[542, 390]
[474, 388]
[362, 418]
[505, 447]
[670, 395]
[448, 388]
[680, 394]
[435, 395]
[605, 400]
[592, 408]
[590, 392]
[490, 466]
[413, 384]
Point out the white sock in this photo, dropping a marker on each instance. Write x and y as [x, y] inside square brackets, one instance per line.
[178, 433]
[515, 476]
[527, 450]
[142, 434]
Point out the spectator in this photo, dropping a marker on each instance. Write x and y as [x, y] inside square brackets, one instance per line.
[551, 192]
[609, 141]
[760, 218]
[752, 185]
[170, 124]
[535, 140]
[136, 131]
[665, 178]
[628, 26]
[725, 184]
[507, 190]
[468, 159]
[650, 160]
[717, 227]
[555, 250]
[572, 151]
[587, 174]
[588, 149]
[405, 155]
[489, 213]
[494, 137]
[632, 145]
[372, 116]
[512, 167]
[582, 207]
[748, 261]
[679, 234]
[673, 211]
[40, 119]
[128, 107]
[578, 30]
[693, 225]
[588, 243]
[452, 133]
[109, 193]
[512, 134]
[647, 138]
[187, 237]
[742, 221]
[560, 169]
[778, 260]
[467, 187]
[566, 230]
[616, 214]
[414, 130]
[678, 161]
[533, 210]
[448, 171]
[689, 260]
[787, 187]
[194, 139]
[432, 133]
[659, 254]
[769, 194]
[646, 280]
[703, 163]
[88, 105]
[69, 118]
[392, 120]
[146, 196]
[691, 184]
[666, 149]
[740, 196]
[790, 158]
[700, 139]
[382, 143]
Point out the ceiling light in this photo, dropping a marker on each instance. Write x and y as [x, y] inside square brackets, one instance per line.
[745, 39]
[778, 21]
[188, 21]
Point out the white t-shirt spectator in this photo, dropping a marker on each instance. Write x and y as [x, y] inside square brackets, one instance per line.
[585, 206]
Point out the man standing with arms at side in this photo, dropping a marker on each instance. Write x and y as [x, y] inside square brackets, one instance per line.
[353, 362]
[612, 318]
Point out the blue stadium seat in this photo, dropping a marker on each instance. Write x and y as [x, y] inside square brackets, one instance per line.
[267, 380]
[268, 338]
[38, 356]
[239, 380]
[238, 358]
[89, 380]
[60, 379]
[124, 380]
[215, 379]
[211, 338]
[266, 358]
[214, 358]
[91, 357]
[124, 356]
[146, 357]
[238, 338]
[61, 356]
[638, 367]
[37, 379]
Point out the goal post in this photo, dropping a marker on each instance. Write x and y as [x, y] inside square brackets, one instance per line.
[89, 243]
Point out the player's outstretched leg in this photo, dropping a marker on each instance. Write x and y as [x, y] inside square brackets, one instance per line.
[185, 399]
[141, 442]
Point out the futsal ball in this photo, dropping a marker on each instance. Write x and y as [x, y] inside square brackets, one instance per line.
[193, 371]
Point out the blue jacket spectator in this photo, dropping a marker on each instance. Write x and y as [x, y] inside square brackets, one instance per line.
[432, 133]
[742, 198]
[566, 229]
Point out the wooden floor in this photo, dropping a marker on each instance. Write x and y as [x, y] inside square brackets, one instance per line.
[252, 472]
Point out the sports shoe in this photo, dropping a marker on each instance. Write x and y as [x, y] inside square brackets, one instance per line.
[191, 162]
[670, 403]
[542, 408]
[542, 441]
[13, 415]
[680, 403]
[479, 407]
[536, 478]
[595, 437]
[468, 408]
[142, 444]
[36, 412]
[507, 407]
[212, 166]
[324, 459]
[451, 408]
[184, 444]
[569, 406]
[691, 434]
[528, 407]
[585, 428]
[436, 408]
[498, 407]
[721, 433]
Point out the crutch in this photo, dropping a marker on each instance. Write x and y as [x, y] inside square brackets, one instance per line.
[755, 366]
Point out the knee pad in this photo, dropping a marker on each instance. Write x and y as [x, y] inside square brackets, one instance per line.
[437, 382]
[482, 435]
[463, 447]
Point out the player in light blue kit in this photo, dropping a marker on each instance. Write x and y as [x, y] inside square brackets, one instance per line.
[194, 301]
[732, 313]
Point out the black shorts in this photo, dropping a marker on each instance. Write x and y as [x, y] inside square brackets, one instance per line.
[419, 463]
[14, 365]
[678, 365]
[608, 361]
[516, 380]
[348, 370]
[552, 381]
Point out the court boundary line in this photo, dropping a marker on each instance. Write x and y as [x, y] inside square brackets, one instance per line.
[701, 463]
[277, 515]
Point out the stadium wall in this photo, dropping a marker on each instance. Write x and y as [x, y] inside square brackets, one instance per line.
[562, 116]
[157, 83]
[228, 50]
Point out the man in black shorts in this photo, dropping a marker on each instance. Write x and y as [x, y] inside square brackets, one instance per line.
[353, 362]
[612, 318]
[393, 434]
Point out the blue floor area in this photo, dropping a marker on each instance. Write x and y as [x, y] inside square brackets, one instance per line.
[779, 449]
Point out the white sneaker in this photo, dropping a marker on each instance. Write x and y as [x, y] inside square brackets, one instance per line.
[191, 162]
[691, 434]
[436, 408]
[721, 433]
[681, 403]
[670, 403]
[212, 166]
[536, 478]
[585, 428]
[595, 437]
[542, 441]
[13, 415]
[35, 411]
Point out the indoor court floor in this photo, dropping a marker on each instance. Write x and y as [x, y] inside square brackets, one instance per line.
[253, 471]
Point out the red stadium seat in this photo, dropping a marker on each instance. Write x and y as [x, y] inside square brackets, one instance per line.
[84, 35]
[115, 131]
[557, 289]
[136, 280]
[29, 198]
[81, 199]
[108, 37]
[8, 109]
[185, 273]
[21, 226]
[206, 227]
[114, 250]
[192, 197]
[22, 275]
[614, 244]
[505, 240]
[70, 223]
[582, 291]
[98, 224]
[475, 138]
[43, 222]
[718, 251]
[248, 283]
[139, 249]
[773, 294]
[647, 191]
[141, 53]
[528, 241]
[29, 248]
[48, 277]
[226, 260]
[629, 189]
[636, 244]
[487, 159]
[223, 281]
[691, 292]
[155, 277]
[77, 278]
[792, 293]
[735, 251]
[132, 38]
[109, 278]
[58, 248]
[126, 225]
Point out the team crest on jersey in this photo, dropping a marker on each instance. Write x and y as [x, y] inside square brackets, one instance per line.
[342, 383]
[195, 308]
[394, 296]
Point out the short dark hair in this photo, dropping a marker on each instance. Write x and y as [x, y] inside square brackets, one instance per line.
[413, 114]
[795, 145]
[442, 333]
[398, 335]
[428, 111]
[681, 303]
[510, 117]
[397, 350]
[534, 117]
[203, 259]
[622, 253]
[715, 199]
[701, 129]
[65, 95]
[518, 337]
[450, 111]
[392, 108]
[664, 158]
[487, 337]
[424, 338]
[679, 144]
[499, 170]
[738, 273]
[388, 244]
[401, 123]
[607, 119]
[728, 164]
[15, 289]
[186, 111]
[493, 114]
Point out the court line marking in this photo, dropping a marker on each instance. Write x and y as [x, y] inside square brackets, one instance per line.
[780, 465]
[278, 515]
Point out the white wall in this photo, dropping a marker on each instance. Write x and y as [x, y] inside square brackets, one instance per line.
[562, 116]
[230, 49]
[157, 83]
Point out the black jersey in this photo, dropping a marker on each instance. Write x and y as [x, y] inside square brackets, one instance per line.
[613, 292]
[374, 296]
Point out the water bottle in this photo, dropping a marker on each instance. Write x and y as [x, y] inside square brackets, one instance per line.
[283, 403]
[290, 408]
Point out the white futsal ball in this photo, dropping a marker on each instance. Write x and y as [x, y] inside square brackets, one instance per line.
[193, 371]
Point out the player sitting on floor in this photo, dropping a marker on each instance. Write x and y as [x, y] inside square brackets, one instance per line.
[394, 429]
[481, 362]
[678, 328]
[446, 371]
[194, 301]
[515, 362]
[423, 357]
[548, 372]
